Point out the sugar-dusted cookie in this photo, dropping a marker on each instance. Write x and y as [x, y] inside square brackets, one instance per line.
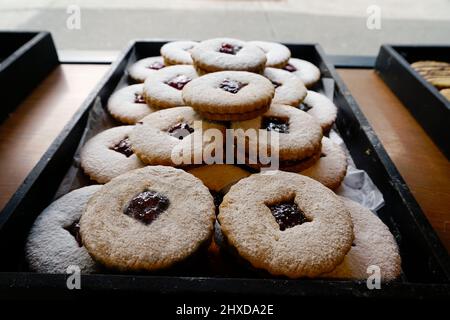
[148, 219]
[277, 54]
[289, 89]
[222, 54]
[286, 224]
[305, 70]
[321, 108]
[141, 69]
[178, 52]
[109, 154]
[54, 242]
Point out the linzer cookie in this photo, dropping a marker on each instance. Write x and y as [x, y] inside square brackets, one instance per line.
[373, 245]
[163, 89]
[331, 167]
[289, 89]
[277, 54]
[178, 52]
[227, 54]
[141, 69]
[148, 219]
[229, 95]
[321, 108]
[109, 154]
[128, 105]
[54, 242]
[298, 134]
[305, 70]
[175, 134]
[286, 224]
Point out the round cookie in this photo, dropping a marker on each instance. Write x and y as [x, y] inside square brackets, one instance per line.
[289, 89]
[321, 108]
[299, 137]
[286, 224]
[148, 219]
[163, 89]
[229, 95]
[109, 154]
[167, 134]
[331, 167]
[277, 54]
[141, 69]
[305, 70]
[128, 105]
[54, 242]
[222, 54]
[373, 245]
[178, 52]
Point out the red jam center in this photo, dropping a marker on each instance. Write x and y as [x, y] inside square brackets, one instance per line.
[156, 65]
[139, 98]
[180, 130]
[231, 86]
[229, 48]
[147, 206]
[179, 82]
[304, 107]
[289, 67]
[123, 147]
[287, 214]
[74, 230]
[275, 124]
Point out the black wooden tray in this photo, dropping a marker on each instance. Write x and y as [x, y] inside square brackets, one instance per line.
[430, 108]
[26, 58]
[426, 266]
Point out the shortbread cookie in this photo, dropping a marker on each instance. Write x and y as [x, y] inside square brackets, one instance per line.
[289, 89]
[141, 69]
[446, 93]
[219, 178]
[277, 54]
[331, 167]
[436, 73]
[109, 154]
[305, 70]
[178, 52]
[286, 224]
[321, 108]
[176, 137]
[299, 137]
[222, 54]
[128, 105]
[54, 242]
[148, 219]
[373, 245]
[228, 95]
[163, 89]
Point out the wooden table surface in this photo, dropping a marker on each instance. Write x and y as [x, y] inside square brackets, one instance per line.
[29, 131]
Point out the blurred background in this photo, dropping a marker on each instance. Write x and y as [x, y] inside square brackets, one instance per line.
[342, 27]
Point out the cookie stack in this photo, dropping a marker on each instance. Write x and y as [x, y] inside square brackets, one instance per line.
[437, 73]
[155, 212]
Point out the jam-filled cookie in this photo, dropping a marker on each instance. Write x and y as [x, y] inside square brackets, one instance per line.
[277, 54]
[331, 167]
[229, 95]
[305, 70]
[321, 108]
[222, 54]
[286, 224]
[178, 52]
[176, 137]
[141, 69]
[54, 242]
[298, 134]
[289, 89]
[128, 105]
[373, 245]
[219, 178]
[148, 219]
[109, 154]
[163, 89]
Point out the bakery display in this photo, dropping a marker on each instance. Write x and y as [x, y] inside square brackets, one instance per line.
[437, 73]
[158, 205]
